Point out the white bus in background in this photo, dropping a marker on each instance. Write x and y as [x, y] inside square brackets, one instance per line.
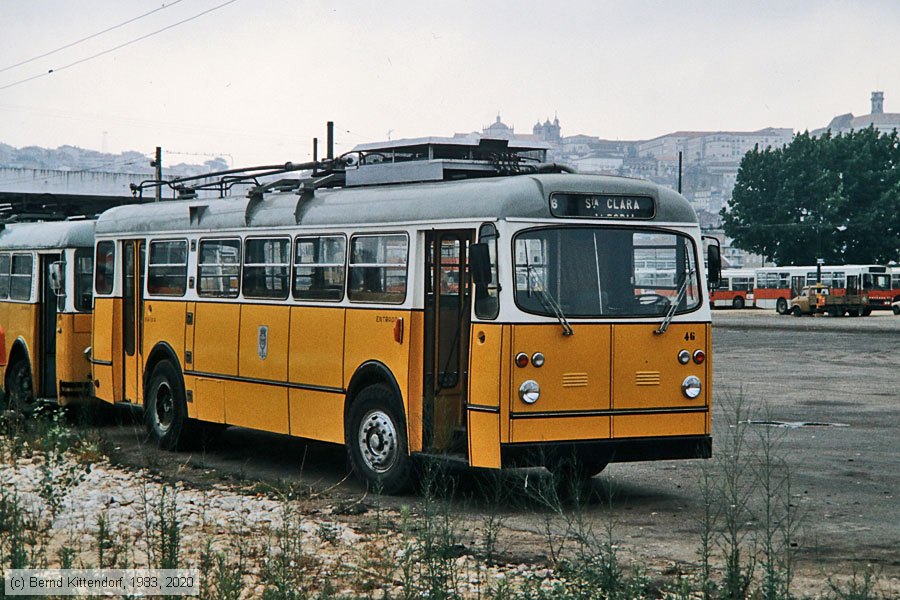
[735, 289]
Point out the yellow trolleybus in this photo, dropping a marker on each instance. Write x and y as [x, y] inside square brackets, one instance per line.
[46, 281]
[429, 296]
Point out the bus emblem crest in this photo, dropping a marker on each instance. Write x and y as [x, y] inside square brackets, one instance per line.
[263, 343]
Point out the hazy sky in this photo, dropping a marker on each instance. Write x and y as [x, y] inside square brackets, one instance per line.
[257, 79]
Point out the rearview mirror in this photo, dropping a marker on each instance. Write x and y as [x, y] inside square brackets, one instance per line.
[57, 278]
[713, 264]
[480, 263]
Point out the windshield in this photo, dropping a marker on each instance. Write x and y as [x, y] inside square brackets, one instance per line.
[604, 271]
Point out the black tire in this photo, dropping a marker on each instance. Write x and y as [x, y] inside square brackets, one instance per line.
[20, 389]
[376, 441]
[781, 306]
[896, 310]
[738, 302]
[796, 311]
[853, 312]
[866, 312]
[165, 410]
[572, 477]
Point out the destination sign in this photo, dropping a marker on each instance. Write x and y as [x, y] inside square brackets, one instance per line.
[602, 206]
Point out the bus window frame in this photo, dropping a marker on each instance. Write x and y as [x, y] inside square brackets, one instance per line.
[4, 274]
[406, 277]
[29, 275]
[245, 264]
[150, 265]
[77, 290]
[345, 266]
[109, 277]
[638, 227]
[492, 240]
[240, 265]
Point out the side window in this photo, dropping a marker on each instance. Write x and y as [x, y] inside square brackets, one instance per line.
[84, 272]
[487, 297]
[105, 263]
[378, 268]
[219, 268]
[167, 268]
[267, 264]
[319, 268]
[4, 276]
[20, 277]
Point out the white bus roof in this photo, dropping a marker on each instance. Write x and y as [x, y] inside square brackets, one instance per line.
[522, 196]
[47, 235]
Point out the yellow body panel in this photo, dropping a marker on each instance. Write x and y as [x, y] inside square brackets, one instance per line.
[264, 342]
[575, 375]
[20, 322]
[317, 346]
[632, 426]
[208, 398]
[257, 406]
[215, 341]
[164, 321]
[317, 415]
[73, 336]
[485, 359]
[414, 331]
[106, 347]
[646, 371]
[560, 428]
[369, 336]
[600, 371]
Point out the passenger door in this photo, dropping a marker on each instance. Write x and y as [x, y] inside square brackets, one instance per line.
[446, 340]
[132, 318]
[48, 302]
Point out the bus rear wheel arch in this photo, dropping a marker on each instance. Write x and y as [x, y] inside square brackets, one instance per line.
[376, 440]
[165, 409]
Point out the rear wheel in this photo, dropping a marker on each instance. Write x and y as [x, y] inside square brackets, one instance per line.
[738, 302]
[796, 311]
[781, 306]
[165, 411]
[866, 312]
[896, 310]
[376, 441]
[20, 390]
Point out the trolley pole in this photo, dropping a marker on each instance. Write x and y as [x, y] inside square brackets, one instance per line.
[157, 162]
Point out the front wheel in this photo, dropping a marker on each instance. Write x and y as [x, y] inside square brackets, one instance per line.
[376, 441]
[738, 302]
[896, 310]
[797, 312]
[165, 411]
[866, 312]
[20, 390]
[781, 307]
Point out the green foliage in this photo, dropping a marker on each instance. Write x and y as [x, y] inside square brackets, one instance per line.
[836, 198]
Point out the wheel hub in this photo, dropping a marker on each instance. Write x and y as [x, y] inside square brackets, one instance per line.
[378, 441]
[165, 408]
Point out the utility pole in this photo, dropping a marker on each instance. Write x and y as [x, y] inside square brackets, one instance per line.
[158, 164]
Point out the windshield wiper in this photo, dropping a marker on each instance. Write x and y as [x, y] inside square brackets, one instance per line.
[681, 292]
[547, 300]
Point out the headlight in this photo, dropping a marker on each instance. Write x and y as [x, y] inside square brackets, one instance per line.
[537, 359]
[529, 391]
[691, 387]
[684, 357]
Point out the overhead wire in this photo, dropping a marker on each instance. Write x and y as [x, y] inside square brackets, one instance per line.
[119, 47]
[90, 37]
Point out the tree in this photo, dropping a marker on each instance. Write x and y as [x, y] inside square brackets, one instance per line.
[830, 197]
